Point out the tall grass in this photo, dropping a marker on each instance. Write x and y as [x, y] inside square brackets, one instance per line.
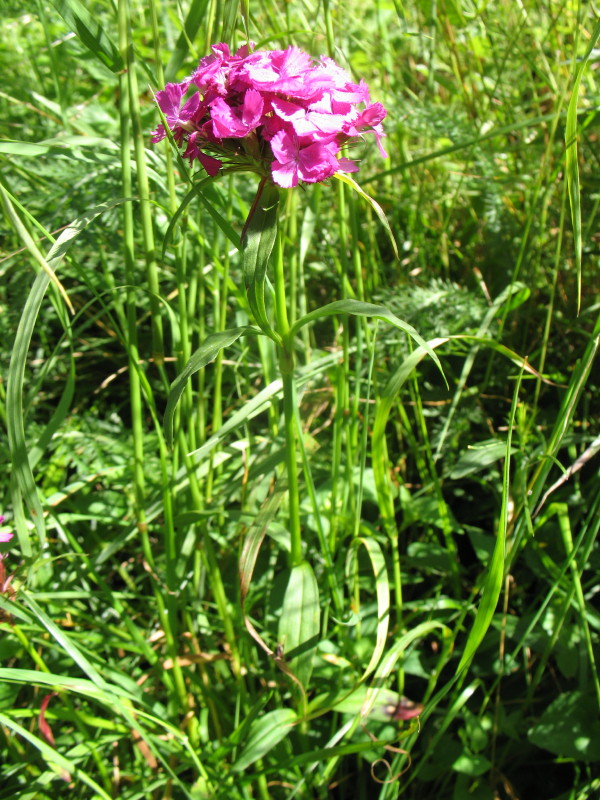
[404, 605]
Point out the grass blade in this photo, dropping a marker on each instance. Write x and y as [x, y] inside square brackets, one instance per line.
[299, 624]
[572, 167]
[495, 575]
[23, 483]
[207, 352]
[258, 240]
[90, 31]
[382, 588]
[265, 733]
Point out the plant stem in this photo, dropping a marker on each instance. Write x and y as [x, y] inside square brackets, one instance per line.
[286, 367]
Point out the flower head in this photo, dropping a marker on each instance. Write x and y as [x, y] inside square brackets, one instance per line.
[279, 113]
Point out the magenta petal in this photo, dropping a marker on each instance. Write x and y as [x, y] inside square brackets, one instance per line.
[345, 165]
[169, 99]
[210, 164]
[252, 109]
[190, 108]
[159, 134]
[287, 110]
[225, 124]
[282, 146]
[221, 50]
[285, 175]
[371, 116]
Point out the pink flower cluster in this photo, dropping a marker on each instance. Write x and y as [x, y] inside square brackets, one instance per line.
[275, 112]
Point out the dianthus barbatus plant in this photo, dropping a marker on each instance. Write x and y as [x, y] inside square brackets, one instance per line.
[287, 118]
[279, 113]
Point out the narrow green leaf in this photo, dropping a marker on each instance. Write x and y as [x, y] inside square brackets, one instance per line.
[66, 643]
[299, 623]
[65, 683]
[265, 733]
[258, 241]
[206, 353]
[254, 538]
[58, 763]
[345, 178]
[361, 309]
[229, 14]
[24, 149]
[382, 588]
[91, 32]
[388, 662]
[495, 576]
[572, 168]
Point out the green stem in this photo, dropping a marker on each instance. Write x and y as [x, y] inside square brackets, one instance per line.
[286, 367]
[135, 397]
[143, 191]
[289, 405]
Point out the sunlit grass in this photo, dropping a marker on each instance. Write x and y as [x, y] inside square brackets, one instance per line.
[143, 648]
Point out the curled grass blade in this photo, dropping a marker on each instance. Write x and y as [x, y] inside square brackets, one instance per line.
[344, 178]
[361, 309]
[382, 588]
[389, 661]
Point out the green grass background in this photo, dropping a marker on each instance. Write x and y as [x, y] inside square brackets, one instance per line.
[451, 520]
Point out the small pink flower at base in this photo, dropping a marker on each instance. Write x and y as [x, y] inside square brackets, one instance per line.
[6, 537]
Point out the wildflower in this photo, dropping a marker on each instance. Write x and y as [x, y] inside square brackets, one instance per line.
[279, 113]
